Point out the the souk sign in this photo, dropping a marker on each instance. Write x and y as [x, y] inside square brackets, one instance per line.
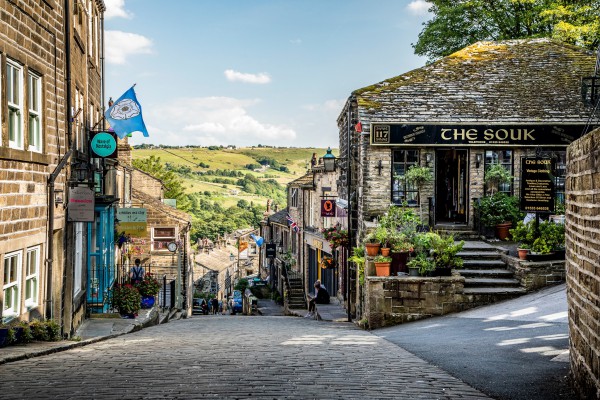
[474, 135]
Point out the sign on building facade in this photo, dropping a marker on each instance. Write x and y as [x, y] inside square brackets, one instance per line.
[81, 204]
[132, 221]
[537, 184]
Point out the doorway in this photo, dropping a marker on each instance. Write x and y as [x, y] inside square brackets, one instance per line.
[451, 186]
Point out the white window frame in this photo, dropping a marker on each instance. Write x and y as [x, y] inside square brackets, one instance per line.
[15, 109]
[34, 102]
[78, 265]
[11, 311]
[163, 239]
[294, 197]
[32, 277]
[78, 121]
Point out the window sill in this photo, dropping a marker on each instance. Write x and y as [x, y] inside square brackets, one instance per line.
[24, 156]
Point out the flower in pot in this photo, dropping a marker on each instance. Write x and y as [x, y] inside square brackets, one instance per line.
[148, 288]
[336, 237]
[382, 265]
[126, 299]
[327, 263]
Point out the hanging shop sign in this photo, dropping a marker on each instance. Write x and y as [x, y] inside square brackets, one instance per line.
[537, 184]
[132, 221]
[328, 208]
[103, 145]
[474, 135]
[81, 204]
[271, 250]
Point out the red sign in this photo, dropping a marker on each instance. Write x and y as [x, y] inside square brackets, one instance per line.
[327, 208]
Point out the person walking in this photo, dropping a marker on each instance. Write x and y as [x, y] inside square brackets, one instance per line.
[215, 305]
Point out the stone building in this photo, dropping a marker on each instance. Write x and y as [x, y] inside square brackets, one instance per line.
[583, 265]
[492, 102]
[51, 77]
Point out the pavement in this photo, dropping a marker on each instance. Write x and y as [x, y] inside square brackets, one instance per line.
[93, 330]
[334, 311]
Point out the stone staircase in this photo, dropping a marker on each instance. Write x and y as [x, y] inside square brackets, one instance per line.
[296, 298]
[487, 278]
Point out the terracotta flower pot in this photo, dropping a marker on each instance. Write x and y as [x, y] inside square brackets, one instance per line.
[382, 268]
[502, 232]
[372, 249]
[385, 251]
[523, 253]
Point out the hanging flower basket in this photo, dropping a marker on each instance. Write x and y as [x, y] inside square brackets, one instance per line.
[327, 263]
[336, 237]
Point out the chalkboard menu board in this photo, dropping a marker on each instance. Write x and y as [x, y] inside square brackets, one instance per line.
[537, 184]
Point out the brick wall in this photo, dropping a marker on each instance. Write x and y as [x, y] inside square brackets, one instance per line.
[583, 262]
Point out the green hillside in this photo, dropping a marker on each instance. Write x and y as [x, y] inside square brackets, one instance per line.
[228, 188]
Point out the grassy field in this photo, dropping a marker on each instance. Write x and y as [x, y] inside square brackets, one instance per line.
[297, 161]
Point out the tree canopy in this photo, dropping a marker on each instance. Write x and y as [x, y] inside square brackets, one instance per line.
[459, 23]
[174, 189]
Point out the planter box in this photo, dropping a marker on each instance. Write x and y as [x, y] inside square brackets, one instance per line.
[541, 257]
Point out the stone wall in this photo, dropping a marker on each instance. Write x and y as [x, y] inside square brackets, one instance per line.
[396, 300]
[583, 262]
[536, 275]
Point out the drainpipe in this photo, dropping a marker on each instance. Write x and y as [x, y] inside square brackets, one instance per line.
[60, 166]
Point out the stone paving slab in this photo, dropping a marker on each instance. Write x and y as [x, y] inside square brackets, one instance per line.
[235, 357]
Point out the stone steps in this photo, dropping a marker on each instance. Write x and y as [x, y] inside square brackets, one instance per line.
[491, 272]
[491, 282]
[483, 264]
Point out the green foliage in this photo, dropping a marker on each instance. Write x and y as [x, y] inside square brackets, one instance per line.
[444, 251]
[174, 189]
[495, 175]
[241, 285]
[39, 331]
[423, 263]
[456, 25]
[418, 175]
[382, 259]
[126, 298]
[53, 329]
[499, 208]
[149, 286]
[524, 234]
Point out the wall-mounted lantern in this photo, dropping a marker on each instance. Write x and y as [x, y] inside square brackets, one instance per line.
[329, 161]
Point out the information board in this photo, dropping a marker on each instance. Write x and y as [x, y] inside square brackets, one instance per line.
[537, 184]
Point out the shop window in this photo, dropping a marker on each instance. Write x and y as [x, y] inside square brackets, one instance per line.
[504, 158]
[12, 285]
[402, 191]
[161, 237]
[32, 271]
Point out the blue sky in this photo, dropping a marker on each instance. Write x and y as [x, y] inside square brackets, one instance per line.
[244, 72]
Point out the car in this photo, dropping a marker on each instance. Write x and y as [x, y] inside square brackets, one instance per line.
[235, 303]
[197, 305]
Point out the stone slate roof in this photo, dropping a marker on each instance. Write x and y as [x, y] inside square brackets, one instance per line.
[534, 80]
[279, 217]
[303, 181]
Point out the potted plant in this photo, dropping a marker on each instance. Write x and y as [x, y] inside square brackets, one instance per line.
[499, 211]
[372, 245]
[420, 265]
[148, 288]
[336, 237]
[524, 233]
[126, 299]
[382, 235]
[419, 176]
[382, 265]
[444, 252]
[496, 175]
[549, 241]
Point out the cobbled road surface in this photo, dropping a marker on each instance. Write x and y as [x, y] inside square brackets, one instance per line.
[234, 358]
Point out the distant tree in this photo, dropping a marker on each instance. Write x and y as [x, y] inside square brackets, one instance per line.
[174, 189]
[457, 24]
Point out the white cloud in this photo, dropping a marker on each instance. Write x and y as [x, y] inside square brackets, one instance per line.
[328, 106]
[235, 76]
[212, 120]
[116, 9]
[296, 41]
[419, 7]
[120, 45]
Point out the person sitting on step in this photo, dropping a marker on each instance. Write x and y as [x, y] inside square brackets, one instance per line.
[322, 297]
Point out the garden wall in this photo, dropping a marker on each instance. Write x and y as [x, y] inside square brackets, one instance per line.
[536, 275]
[583, 262]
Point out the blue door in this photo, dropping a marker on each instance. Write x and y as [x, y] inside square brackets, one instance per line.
[101, 259]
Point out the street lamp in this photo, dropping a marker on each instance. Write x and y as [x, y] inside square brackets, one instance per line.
[329, 161]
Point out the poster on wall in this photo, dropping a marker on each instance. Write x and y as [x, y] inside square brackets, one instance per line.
[537, 184]
[81, 204]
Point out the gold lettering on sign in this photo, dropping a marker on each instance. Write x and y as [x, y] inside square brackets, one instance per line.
[489, 135]
[317, 244]
[381, 134]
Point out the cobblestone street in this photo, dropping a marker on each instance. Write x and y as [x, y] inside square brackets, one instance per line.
[234, 357]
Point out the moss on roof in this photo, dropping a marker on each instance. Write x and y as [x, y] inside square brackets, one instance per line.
[533, 79]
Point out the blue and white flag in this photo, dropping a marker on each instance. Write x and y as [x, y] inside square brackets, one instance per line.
[125, 116]
[257, 239]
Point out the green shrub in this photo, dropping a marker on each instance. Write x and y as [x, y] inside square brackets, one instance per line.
[39, 330]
